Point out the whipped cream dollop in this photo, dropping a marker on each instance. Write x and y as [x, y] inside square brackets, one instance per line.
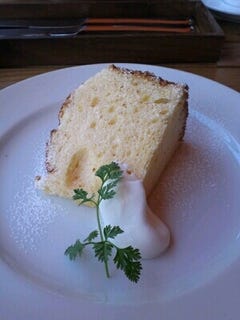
[129, 210]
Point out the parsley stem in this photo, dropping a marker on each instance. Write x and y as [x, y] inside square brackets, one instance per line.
[99, 224]
[101, 235]
[126, 259]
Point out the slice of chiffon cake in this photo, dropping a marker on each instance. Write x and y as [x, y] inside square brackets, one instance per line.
[121, 115]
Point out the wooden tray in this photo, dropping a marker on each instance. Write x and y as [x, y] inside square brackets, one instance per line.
[201, 45]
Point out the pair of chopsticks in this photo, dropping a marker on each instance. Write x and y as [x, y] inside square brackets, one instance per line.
[139, 24]
[49, 28]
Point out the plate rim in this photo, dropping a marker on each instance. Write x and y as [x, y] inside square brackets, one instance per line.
[55, 73]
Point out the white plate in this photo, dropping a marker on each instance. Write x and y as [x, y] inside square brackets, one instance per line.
[224, 10]
[198, 197]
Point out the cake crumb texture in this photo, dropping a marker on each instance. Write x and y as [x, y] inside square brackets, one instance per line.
[121, 115]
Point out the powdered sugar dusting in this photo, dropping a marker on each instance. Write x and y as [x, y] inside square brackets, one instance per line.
[30, 213]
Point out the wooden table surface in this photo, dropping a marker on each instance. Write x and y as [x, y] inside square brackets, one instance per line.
[226, 70]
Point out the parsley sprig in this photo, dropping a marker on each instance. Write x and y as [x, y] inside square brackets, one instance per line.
[126, 259]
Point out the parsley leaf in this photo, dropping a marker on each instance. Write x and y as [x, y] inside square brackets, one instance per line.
[103, 250]
[109, 172]
[92, 235]
[82, 195]
[108, 191]
[126, 259]
[75, 250]
[112, 232]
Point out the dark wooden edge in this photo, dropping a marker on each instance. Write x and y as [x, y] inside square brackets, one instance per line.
[202, 45]
[105, 8]
[205, 22]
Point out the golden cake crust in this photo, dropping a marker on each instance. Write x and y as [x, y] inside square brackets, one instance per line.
[141, 118]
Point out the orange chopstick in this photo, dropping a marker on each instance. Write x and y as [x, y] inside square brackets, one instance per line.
[151, 21]
[135, 28]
